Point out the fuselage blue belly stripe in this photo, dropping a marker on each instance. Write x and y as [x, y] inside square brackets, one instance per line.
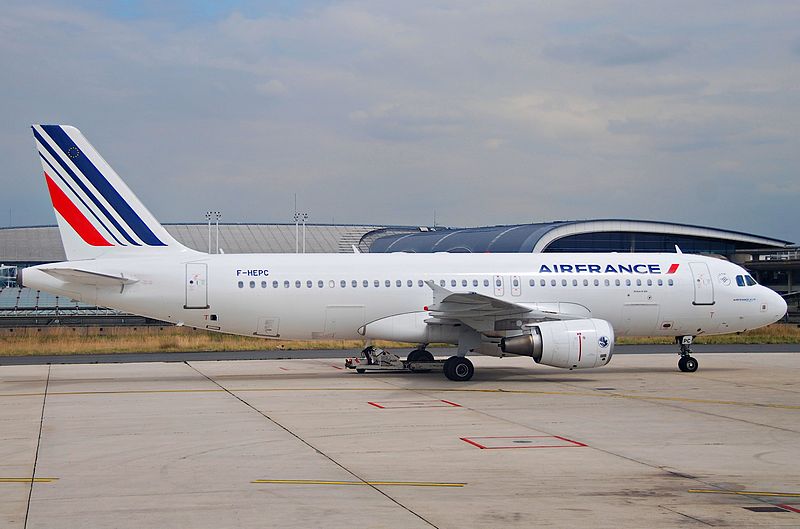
[102, 185]
[84, 188]
[57, 173]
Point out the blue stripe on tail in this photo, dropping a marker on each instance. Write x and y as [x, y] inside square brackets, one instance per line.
[100, 183]
[84, 188]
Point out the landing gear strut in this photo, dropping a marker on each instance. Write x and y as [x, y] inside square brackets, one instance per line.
[687, 363]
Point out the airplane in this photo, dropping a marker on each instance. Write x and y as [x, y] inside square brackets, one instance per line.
[561, 309]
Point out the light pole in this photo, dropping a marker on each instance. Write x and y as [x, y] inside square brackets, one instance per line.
[216, 215]
[304, 216]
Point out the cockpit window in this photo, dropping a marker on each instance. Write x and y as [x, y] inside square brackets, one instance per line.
[740, 280]
[750, 281]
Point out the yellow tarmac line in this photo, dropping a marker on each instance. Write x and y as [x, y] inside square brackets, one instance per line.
[747, 493]
[374, 483]
[434, 390]
[27, 480]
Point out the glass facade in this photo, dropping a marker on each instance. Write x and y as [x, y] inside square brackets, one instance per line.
[614, 241]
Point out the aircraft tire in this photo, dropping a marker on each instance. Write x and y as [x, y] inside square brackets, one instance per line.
[458, 369]
[420, 355]
[688, 364]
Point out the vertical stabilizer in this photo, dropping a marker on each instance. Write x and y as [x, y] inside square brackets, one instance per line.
[98, 215]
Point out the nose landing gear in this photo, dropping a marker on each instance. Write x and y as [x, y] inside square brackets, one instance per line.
[687, 363]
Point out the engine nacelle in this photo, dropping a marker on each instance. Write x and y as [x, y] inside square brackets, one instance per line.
[571, 344]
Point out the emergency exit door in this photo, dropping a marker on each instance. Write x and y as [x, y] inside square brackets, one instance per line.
[196, 286]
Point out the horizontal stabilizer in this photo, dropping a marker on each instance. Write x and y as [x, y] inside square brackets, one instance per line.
[85, 277]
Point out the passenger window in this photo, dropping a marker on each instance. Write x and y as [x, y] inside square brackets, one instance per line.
[241, 284]
[252, 284]
[388, 283]
[452, 282]
[616, 282]
[740, 280]
[607, 283]
[649, 282]
[638, 282]
[354, 283]
[586, 282]
[420, 283]
[627, 282]
[331, 283]
[297, 284]
[309, 283]
[542, 282]
[274, 284]
[463, 282]
[515, 282]
[552, 282]
[320, 283]
[532, 282]
[661, 282]
[286, 284]
[343, 283]
[474, 282]
[597, 282]
[376, 283]
[486, 282]
[498, 283]
[563, 282]
[670, 282]
[365, 283]
[574, 282]
[409, 283]
[263, 284]
[398, 283]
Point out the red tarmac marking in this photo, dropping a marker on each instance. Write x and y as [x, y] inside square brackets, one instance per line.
[788, 507]
[375, 404]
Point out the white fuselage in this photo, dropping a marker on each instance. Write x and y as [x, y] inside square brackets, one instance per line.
[337, 296]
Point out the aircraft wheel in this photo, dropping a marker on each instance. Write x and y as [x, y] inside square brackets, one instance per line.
[361, 370]
[687, 364]
[420, 355]
[458, 368]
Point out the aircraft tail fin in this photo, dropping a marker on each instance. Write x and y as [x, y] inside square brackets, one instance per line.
[98, 215]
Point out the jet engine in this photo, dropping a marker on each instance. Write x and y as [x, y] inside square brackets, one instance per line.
[571, 344]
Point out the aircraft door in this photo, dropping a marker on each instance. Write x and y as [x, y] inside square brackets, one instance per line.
[498, 286]
[196, 286]
[516, 286]
[703, 286]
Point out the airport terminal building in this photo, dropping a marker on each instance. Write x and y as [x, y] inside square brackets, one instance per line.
[773, 262]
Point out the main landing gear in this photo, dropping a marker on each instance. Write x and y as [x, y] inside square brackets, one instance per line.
[457, 368]
[687, 363]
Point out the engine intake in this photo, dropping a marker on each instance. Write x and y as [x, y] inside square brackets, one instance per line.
[571, 344]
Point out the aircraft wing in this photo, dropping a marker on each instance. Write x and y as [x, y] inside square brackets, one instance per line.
[86, 277]
[480, 311]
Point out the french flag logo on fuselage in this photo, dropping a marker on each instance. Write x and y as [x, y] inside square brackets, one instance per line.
[82, 188]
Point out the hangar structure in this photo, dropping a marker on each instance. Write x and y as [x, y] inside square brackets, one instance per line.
[774, 262]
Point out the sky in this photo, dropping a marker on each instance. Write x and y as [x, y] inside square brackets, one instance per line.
[380, 112]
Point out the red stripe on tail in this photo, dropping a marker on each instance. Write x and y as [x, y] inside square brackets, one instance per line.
[73, 216]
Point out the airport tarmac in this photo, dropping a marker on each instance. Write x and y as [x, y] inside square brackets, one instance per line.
[305, 443]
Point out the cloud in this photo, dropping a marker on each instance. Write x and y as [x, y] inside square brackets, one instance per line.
[615, 50]
[377, 111]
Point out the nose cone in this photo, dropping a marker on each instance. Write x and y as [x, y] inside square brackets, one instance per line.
[776, 306]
